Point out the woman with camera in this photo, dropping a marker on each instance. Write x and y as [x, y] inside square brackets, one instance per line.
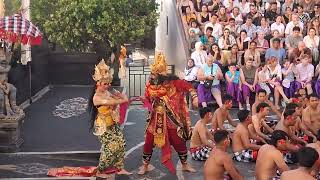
[209, 75]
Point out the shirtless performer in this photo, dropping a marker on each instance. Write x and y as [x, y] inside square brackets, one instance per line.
[262, 97]
[287, 125]
[270, 157]
[299, 128]
[201, 142]
[310, 114]
[307, 158]
[258, 121]
[316, 146]
[219, 160]
[302, 96]
[243, 150]
[222, 114]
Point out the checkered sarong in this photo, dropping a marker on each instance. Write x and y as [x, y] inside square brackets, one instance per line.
[276, 178]
[290, 158]
[200, 153]
[272, 122]
[245, 156]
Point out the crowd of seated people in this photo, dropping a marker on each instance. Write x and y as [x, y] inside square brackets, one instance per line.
[240, 47]
[263, 57]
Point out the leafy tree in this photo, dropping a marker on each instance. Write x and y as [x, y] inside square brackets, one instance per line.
[76, 25]
[12, 6]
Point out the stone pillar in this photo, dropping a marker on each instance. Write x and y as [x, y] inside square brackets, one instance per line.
[10, 135]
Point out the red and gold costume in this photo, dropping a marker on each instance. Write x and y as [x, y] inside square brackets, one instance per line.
[168, 122]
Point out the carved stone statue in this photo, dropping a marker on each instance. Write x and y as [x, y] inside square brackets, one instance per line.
[11, 116]
[8, 106]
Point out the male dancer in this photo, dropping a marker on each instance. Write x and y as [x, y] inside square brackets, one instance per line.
[201, 142]
[270, 157]
[168, 123]
[262, 97]
[258, 121]
[307, 159]
[310, 115]
[243, 150]
[219, 160]
[222, 114]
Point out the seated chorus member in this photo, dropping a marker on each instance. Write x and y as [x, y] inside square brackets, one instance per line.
[310, 115]
[262, 97]
[286, 125]
[220, 161]
[258, 121]
[307, 157]
[243, 150]
[316, 146]
[270, 157]
[222, 114]
[300, 128]
[201, 142]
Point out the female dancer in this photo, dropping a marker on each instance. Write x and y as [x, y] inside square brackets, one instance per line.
[105, 115]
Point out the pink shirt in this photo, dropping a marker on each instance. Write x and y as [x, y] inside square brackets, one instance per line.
[305, 73]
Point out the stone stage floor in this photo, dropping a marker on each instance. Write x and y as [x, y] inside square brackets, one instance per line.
[56, 133]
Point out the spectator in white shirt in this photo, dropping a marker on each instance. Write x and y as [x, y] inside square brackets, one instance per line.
[237, 15]
[304, 72]
[226, 41]
[199, 55]
[278, 26]
[217, 28]
[190, 73]
[244, 7]
[295, 22]
[312, 42]
[274, 77]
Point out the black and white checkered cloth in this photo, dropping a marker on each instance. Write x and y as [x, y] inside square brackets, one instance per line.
[201, 154]
[276, 178]
[290, 158]
[244, 156]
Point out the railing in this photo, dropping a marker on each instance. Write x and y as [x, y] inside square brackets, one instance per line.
[138, 78]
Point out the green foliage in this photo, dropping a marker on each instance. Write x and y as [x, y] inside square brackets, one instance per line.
[12, 6]
[74, 23]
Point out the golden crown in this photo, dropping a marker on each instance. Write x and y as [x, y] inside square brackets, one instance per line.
[160, 65]
[102, 72]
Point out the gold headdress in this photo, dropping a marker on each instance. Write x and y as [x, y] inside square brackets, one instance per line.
[102, 73]
[160, 65]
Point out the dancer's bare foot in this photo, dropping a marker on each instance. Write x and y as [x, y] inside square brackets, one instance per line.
[124, 172]
[187, 167]
[145, 168]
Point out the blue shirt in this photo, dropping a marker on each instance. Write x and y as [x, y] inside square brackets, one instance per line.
[280, 54]
[236, 79]
[204, 39]
[207, 71]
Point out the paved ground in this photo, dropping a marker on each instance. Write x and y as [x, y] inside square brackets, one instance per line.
[58, 123]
